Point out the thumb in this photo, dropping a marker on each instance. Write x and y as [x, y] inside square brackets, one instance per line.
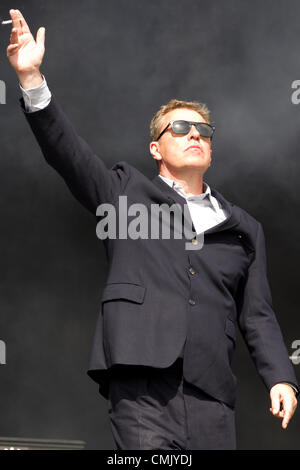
[40, 36]
[275, 404]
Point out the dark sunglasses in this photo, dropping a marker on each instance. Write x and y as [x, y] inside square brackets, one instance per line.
[183, 127]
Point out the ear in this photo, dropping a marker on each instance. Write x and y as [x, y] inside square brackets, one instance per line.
[155, 150]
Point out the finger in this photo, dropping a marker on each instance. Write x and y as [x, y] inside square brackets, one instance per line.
[15, 20]
[40, 36]
[19, 21]
[288, 409]
[23, 23]
[12, 48]
[286, 420]
[14, 37]
[279, 414]
[275, 404]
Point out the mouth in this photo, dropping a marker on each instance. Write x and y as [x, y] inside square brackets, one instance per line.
[194, 147]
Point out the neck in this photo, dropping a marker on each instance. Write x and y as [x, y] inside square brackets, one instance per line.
[192, 183]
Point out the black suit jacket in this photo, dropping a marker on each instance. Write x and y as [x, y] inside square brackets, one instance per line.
[159, 295]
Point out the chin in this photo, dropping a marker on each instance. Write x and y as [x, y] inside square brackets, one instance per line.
[196, 163]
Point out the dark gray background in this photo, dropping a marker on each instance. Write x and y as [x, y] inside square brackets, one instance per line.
[111, 65]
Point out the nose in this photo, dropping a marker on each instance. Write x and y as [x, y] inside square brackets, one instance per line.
[194, 133]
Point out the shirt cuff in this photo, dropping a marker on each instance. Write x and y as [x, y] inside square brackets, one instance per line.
[36, 98]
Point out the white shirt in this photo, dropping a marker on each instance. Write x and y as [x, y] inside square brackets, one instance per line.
[206, 211]
[36, 98]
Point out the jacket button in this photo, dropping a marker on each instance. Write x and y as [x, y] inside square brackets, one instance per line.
[192, 302]
[192, 271]
[194, 241]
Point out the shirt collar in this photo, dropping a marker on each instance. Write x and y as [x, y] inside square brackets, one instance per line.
[178, 187]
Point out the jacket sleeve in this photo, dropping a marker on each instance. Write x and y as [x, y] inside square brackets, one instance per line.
[84, 172]
[258, 324]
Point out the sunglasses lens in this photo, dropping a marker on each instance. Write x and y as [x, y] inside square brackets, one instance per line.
[183, 127]
[205, 130]
[180, 127]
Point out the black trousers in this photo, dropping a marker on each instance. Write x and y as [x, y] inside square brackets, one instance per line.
[152, 408]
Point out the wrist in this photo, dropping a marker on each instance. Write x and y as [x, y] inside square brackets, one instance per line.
[295, 390]
[30, 79]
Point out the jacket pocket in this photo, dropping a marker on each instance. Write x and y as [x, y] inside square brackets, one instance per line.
[230, 329]
[125, 291]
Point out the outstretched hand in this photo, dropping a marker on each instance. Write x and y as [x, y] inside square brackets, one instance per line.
[284, 402]
[24, 52]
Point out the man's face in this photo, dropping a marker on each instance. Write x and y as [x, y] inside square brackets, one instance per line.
[182, 152]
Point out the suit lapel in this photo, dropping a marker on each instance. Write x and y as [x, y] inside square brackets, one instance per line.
[231, 221]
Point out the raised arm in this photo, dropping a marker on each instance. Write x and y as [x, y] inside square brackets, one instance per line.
[84, 172]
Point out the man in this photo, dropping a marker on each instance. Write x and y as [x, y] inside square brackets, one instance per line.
[165, 335]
